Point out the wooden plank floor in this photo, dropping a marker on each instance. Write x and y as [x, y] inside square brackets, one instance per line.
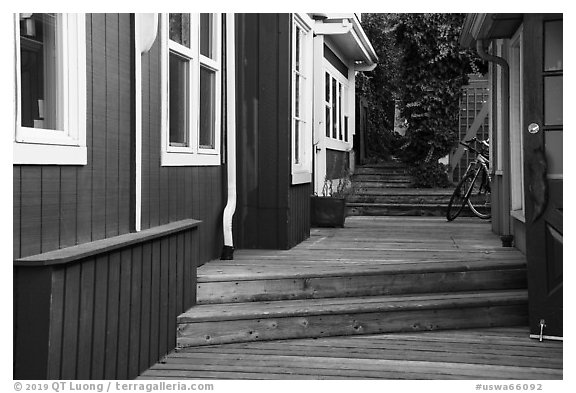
[492, 353]
[378, 244]
[370, 243]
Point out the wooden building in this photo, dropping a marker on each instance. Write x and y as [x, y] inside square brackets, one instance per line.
[526, 70]
[137, 138]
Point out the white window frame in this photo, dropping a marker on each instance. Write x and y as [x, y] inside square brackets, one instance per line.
[192, 155]
[65, 145]
[343, 110]
[517, 209]
[302, 170]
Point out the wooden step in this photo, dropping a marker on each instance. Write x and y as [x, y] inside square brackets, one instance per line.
[376, 184]
[364, 280]
[381, 170]
[260, 321]
[370, 196]
[382, 178]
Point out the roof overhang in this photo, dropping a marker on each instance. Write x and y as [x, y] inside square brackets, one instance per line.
[347, 33]
[487, 27]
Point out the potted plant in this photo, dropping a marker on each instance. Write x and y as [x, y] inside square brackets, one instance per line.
[329, 209]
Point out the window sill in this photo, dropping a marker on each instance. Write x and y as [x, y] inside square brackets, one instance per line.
[518, 215]
[81, 251]
[301, 178]
[41, 154]
[190, 159]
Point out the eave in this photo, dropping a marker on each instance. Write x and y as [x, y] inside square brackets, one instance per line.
[488, 26]
[347, 33]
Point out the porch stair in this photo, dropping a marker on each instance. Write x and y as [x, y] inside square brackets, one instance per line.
[387, 190]
[361, 280]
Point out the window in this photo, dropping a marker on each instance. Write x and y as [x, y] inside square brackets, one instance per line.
[191, 80]
[335, 103]
[301, 100]
[50, 89]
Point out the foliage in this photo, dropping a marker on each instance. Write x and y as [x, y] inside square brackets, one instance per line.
[430, 174]
[422, 68]
[433, 70]
[338, 188]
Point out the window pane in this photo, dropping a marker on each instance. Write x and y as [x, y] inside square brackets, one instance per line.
[296, 142]
[553, 46]
[334, 110]
[297, 96]
[298, 48]
[346, 128]
[327, 84]
[553, 148]
[180, 29]
[340, 111]
[328, 117]
[178, 104]
[38, 70]
[206, 35]
[553, 100]
[207, 108]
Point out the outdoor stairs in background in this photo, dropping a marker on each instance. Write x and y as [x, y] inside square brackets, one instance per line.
[387, 190]
[310, 292]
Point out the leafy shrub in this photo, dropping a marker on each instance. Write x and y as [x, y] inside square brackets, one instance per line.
[430, 175]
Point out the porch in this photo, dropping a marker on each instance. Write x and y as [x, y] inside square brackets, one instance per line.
[385, 297]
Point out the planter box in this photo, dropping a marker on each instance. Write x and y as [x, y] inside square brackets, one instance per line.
[327, 211]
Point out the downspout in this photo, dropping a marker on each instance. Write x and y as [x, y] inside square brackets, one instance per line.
[505, 68]
[228, 249]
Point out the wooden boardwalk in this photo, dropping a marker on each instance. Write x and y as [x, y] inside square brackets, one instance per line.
[309, 276]
[494, 353]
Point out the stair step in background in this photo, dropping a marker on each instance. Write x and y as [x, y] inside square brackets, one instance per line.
[240, 322]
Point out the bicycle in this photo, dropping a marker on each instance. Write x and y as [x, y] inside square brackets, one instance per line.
[474, 187]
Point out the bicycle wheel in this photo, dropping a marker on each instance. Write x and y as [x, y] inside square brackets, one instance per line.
[480, 196]
[458, 198]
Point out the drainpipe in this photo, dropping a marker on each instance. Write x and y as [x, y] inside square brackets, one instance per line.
[505, 68]
[228, 249]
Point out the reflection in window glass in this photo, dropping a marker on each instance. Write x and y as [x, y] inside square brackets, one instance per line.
[553, 100]
[207, 108]
[206, 32]
[38, 70]
[296, 142]
[553, 46]
[178, 104]
[553, 142]
[180, 29]
[334, 110]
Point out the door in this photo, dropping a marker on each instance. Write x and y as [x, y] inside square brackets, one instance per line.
[543, 171]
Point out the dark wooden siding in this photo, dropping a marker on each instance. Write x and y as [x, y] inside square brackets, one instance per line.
[265, 215]
[299, 218]
[110, 316]
[175, 193]
[60, 206]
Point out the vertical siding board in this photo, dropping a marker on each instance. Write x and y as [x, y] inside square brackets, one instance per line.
[164, 301]
[100, 317]
[71, 319]
[86, 319]
[155, 303]
[172, 291]
[56, 323]
[99, 130]
[172, 191]
[84, 178]
[196, 205]
[146, 307]
[16, 195]
[68, 206]
[31, 210]
[146, 148]
[111, 120]
[50, 208]
[124, 313]
[188, 262]
[179, 274]
[136, 300]
[125, 121]
[112, 311]
[159, 176]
